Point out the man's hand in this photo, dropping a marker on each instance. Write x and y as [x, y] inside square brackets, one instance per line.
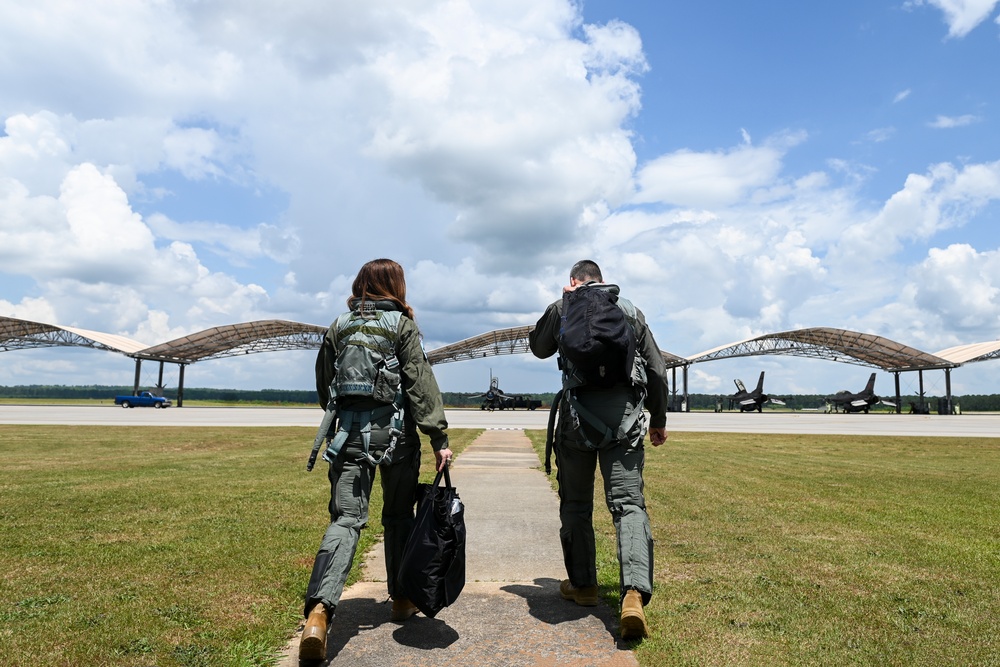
[658, 436]
[443, 458]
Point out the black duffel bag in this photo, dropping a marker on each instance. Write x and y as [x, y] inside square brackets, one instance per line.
[432, 572]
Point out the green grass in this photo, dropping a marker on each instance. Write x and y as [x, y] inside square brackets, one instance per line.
[159, 546]
[819, 550]
[165, 546]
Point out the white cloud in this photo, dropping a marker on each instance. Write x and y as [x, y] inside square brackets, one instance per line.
[453, 303]
[901, 95]
[943, 198]
[191, 151]
[881, 134]
[962, 16]
[32, 309]
[97, 262]
[961, 286]
[482, 110]
[715, 179]
[237, 244]
[947, 122]
[134, 58]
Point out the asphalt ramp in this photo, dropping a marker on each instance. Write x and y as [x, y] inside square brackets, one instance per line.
[510, 613]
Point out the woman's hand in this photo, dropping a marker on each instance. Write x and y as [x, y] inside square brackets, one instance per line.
[443, 458]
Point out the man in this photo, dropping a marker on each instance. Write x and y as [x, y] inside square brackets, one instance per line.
[584, 407]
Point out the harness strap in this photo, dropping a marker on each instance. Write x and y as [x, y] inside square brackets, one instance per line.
[579, 411]
[347, 419]
[550, 431]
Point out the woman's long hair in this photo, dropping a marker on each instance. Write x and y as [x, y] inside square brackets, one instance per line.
[381, 280]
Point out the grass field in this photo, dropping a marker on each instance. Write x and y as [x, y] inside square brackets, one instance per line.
[193, 546]
[819, 550]
[159, 546]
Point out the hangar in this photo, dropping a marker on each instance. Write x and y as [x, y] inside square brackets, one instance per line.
[833, 344]
[514, 340]
[215, 343]
[829, 343]
[839, 345]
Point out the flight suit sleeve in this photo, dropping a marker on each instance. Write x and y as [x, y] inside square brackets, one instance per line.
[325, 367]
[543, 340]
[657, 392]
[423, 395]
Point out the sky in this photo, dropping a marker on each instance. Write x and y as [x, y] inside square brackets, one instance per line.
[737, 168]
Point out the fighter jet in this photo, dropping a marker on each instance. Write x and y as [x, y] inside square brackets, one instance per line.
[859, 402]
[748, 401]
[494, 398]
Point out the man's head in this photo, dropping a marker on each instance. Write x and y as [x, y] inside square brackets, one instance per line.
[585, 271]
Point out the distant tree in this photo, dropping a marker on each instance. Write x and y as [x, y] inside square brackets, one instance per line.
[969, 403]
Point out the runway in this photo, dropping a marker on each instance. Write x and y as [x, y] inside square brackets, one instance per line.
[967, 425]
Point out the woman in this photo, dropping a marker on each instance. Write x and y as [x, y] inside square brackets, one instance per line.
[373, 366]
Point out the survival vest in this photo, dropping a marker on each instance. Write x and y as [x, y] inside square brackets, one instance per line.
[366, 367]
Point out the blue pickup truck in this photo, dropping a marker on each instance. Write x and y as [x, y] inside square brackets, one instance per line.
[143, 399]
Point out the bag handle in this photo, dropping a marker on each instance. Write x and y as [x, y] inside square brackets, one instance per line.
[447, 477]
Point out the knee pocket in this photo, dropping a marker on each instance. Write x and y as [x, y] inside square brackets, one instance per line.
[352, 522]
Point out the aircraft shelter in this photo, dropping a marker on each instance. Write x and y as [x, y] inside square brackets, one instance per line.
[215, 343]
[839, 345]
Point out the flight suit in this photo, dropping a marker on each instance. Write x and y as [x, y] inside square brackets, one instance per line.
[621, 462]
[352, 475]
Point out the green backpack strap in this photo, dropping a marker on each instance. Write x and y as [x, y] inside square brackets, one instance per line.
[619, 433]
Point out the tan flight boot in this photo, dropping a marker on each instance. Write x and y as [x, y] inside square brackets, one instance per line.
[633, 621]
[585, 596]
[313, 643]
[402, 609]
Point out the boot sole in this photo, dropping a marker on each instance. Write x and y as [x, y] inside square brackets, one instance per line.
[312, 648]
[633, 626]
[583, 602]
[398, 616]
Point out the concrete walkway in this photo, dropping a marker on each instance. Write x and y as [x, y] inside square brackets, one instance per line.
[509, 613]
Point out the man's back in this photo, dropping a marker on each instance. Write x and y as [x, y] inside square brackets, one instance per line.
[543, 341]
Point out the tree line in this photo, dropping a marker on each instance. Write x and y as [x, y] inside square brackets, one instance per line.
[967, 403]
[190, 393]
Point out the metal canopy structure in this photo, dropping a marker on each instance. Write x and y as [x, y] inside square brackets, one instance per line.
[832, 344]
[225, 341]
[841, 345]
[22, 334]
[513, 340]
[237, 339]
[230, 340]
[233, 340]
[963, 354]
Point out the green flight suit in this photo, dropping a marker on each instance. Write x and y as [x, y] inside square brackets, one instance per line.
[352, 475]
[621, 461]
